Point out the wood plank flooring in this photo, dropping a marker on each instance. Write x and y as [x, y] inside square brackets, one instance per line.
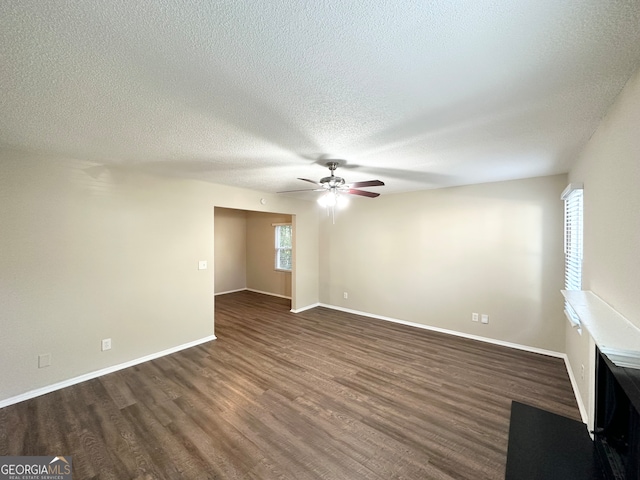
[316, 395]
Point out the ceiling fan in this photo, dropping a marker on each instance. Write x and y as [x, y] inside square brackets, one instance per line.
[335, 187]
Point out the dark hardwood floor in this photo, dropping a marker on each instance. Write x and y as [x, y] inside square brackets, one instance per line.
[316, 395]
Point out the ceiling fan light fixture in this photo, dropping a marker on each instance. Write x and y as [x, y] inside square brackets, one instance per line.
[342, 201]
[329, 199]
[332, 198]
[323, 200]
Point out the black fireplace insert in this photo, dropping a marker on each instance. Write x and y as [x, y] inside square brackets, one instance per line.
[617, 419]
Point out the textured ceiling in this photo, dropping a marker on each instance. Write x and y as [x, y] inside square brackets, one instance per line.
[254, 94]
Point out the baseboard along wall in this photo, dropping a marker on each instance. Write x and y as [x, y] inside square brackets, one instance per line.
[502, 343]
[252, 290]
[98, 373]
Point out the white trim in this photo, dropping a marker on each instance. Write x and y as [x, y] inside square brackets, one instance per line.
[576, 391]
[98, 373]
[267, 293]
[308, 307]
[493, 341]
[570, 188]
[255, 291]
[229, 291]
[572, 322]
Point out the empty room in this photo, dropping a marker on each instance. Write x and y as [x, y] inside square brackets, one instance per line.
[320, 240]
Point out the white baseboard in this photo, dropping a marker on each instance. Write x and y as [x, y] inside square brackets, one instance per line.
[576, 392]
[493, 341]
[229, 291]
[267, 293]
[98, 373]
[302, 309]
[252, 290]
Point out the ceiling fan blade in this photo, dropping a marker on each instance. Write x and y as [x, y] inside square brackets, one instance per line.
[362, 193]
[369, 183]
[310, 181]
[304, 190]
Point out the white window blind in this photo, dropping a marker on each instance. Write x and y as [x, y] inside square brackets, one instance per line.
[573, 219]
[284, 246]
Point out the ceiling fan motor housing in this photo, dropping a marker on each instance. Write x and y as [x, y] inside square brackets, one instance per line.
[332, 181]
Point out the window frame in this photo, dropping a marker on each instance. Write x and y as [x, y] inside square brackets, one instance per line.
[573, 197]
[279, 248]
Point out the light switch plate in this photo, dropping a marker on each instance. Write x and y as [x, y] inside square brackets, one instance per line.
[202, 265]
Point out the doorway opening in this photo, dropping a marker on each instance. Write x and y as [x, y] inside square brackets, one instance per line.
[245, 253]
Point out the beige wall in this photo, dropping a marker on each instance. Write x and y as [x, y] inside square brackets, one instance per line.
[88, 252]
[434, 257]
[261, 273]
[230, 250]
[609, 168]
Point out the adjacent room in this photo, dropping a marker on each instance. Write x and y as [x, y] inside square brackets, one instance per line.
[301, 240]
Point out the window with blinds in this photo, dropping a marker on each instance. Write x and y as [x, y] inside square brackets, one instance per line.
[573, 207]
[284, 246]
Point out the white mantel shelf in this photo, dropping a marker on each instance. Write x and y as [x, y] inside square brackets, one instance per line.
[615, 336]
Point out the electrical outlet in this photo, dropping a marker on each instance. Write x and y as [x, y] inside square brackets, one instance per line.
[202, 265]
[106, 344]
[44, 360]
[345, 295]
[485, 318]
[582, 372]
[474, 317]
